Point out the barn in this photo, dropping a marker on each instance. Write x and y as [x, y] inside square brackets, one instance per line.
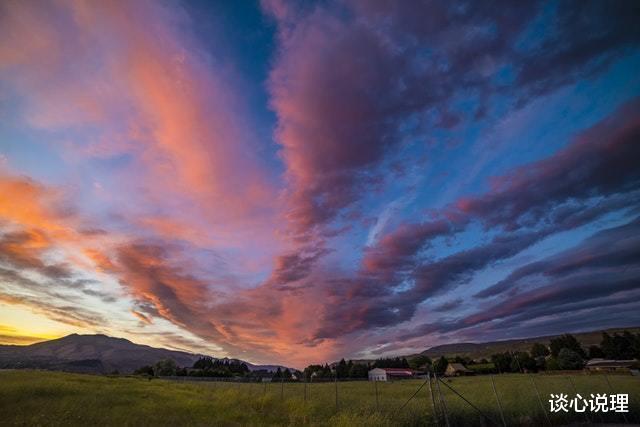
[609, 365]
[457, 370]
[390, 374]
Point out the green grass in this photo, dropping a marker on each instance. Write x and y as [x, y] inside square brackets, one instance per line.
[54, 398]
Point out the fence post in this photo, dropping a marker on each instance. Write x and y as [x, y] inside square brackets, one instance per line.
[442, 402]
[336, 382]
[544, 411]
[515, 356]
[433, 402]
[493, 384]
[305, 389]
[282, 387]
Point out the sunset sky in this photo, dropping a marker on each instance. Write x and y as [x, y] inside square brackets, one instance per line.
[297, 182]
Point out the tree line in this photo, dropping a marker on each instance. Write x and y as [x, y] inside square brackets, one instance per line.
[562, 353]
[566, 353]
[352, 369]
[203, 367]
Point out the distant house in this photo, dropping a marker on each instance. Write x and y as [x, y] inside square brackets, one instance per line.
[389, 374]
[457, 370]
[607, 365]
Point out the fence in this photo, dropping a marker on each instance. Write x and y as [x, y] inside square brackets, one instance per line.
[490, 400]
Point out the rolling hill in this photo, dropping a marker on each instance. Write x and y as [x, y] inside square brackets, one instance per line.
[485, 350]
[94, 354]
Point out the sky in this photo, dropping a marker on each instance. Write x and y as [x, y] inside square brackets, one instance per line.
[296, 182]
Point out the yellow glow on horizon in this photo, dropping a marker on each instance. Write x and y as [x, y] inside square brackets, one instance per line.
[19, 325]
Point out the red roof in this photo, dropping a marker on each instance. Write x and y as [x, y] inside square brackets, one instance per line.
[398, 371]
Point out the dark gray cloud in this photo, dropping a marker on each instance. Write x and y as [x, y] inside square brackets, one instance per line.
[593, 176]
[602, 271]
[350, 78]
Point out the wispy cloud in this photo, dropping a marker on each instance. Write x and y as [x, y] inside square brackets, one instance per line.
[138, 185]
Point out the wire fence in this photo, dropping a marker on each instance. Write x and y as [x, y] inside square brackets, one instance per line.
[487, 400]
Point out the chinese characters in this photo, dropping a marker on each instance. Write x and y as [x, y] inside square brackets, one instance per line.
[600, 402]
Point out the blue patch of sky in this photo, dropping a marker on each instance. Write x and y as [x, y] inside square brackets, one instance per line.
[246, 38]
[537, 130]
[558, 118]
[539, 30]
[32, 154]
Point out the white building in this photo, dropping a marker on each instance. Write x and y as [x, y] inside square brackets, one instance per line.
[388, 374]
[377, 374]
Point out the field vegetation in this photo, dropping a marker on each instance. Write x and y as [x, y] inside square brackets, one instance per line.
[54, 398]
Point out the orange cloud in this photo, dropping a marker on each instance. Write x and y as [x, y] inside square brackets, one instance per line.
[143, 318]
[144, 88]
[130, 71]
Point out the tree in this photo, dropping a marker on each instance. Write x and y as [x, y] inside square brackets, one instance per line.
[567, 341]
[316, 371]
[541, 363]
[569, 359]
[463, 360]
[286, 374]
[625, 346]
[608, 347]
[204, 363]
[551, 364]
[503, 362]
[522, 362]
[539, 350]
[441, 365]
[278, 373]
[144, 370]
[358, 370]
[326, 372]
[419, 362]
[635, 346]
[391, 363]
[595, 351]
[342, 369]
[165, 368]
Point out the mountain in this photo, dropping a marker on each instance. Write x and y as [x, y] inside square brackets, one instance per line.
[94, 354]
[485, 350]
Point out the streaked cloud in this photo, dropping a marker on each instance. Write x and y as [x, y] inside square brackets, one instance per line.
[367, 181]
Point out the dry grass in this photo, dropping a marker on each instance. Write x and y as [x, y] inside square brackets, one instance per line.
[53, 398]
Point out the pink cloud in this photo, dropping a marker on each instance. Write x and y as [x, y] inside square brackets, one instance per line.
[125, 78]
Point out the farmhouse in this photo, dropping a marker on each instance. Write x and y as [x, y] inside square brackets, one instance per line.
[389, 374]
[609, 365]
[457, 370]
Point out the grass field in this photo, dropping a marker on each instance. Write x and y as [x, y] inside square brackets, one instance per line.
[54, 398]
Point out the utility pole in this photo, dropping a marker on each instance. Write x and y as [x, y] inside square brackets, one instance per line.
[433, 401]
[442, 402]
[336, 382]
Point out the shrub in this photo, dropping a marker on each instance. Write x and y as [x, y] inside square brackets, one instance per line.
[569, 359]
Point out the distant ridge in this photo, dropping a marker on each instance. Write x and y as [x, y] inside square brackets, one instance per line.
[486, 349]
[95, 354]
